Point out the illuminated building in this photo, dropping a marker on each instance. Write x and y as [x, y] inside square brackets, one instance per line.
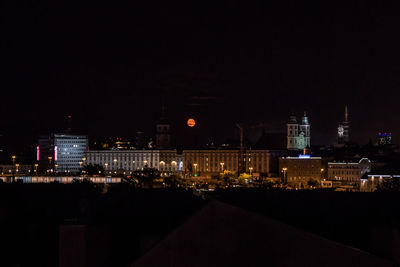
[343, 129]
[371, 182]
[62, 153]
[298, 171]
[17, 169]
[348, 173]
[298, 135]
[117, 143]
[209, 162]
[384, 139]
[120, 161]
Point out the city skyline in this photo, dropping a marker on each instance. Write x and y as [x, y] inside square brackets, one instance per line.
[221, 64]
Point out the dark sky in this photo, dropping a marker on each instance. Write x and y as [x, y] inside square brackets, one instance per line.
[109, 66]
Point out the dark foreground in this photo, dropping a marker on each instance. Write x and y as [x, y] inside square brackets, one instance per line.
[82, 225]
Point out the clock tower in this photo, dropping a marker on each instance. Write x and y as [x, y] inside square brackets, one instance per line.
[163, 132]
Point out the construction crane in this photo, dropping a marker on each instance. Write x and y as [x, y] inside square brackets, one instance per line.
[242, 165]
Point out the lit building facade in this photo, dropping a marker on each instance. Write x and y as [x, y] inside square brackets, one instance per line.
[17, 169]
[298, 171]
[209, 162]
[298, 135]
[69, 152]
[384, 139]
[62, 153]
[348, 173]
[371, 182]
[119, 161]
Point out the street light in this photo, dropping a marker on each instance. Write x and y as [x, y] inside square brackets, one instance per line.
[106, 164]
[222, 165]
[50, 159]
[36, 166]
[13, 157]
[16, 167]
[195, 168]
[284, 170]
[251, 170]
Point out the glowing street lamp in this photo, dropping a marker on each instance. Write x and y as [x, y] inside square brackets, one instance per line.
[284, 170]
[251, 170]
[195, 168]
[222, 166]
[36, 166]
[50, 160]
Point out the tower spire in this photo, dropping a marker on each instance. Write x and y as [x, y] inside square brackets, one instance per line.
[163, 110]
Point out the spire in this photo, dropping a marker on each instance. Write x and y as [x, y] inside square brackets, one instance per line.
[304, 120]
[346, 114]
[163, 116]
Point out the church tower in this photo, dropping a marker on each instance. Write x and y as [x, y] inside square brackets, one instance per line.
[292, 133]
[298, 135]
[343, 129]
[163, 135]
[305, 129]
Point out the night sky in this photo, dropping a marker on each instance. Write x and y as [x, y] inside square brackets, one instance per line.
[110, 66]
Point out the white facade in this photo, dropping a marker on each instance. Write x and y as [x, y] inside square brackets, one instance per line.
[69, 151]
[348, 172]
[117, 161]
[298, 135]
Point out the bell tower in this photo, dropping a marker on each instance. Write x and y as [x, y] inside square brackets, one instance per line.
[163, 131]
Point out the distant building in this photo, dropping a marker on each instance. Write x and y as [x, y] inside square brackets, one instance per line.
[118, 143]
[371, 182]
[163, 134]
[298, 135]
[348, 173]
[344, 128]
[384, 139]
[120, 161]
[298, 171]
[17, 169]
[62, 153]
[209, 162]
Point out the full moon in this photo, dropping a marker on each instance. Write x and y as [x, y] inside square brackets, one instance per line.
[191, 122]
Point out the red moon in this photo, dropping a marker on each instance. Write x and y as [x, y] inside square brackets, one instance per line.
[191, 122]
